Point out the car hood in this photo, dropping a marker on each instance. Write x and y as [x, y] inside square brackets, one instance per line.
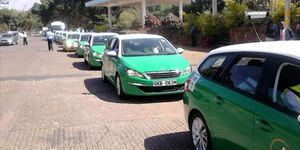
[98, 48]
[83, 42]
[155, 63]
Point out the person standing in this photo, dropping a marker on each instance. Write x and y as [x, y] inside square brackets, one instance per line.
[270, 31]
[25, 38]
[298, 29]
[49, 37]
[193, 32]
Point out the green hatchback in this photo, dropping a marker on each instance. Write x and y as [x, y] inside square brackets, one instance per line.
[246, 97]
[82, 42]
[70, 42]
[94, 50]
[144, 64]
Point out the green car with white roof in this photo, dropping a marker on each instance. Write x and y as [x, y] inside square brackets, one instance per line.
[144, 64]
[94, 50]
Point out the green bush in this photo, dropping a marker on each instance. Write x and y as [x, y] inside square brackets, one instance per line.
[234, 14]
[100, 28]
[209, 25]
[278, 15]
[189, 19]
[128, 18]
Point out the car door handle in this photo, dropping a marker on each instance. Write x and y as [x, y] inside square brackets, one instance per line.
[219, 100]
[264, 125]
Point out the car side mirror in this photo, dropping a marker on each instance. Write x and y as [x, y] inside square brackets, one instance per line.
[180, 50]
[298, 118]
[111, 53]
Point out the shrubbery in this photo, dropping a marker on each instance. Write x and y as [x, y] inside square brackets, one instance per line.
[172, 21]
[152, 21]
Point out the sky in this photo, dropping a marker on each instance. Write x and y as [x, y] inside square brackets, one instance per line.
[22, 4]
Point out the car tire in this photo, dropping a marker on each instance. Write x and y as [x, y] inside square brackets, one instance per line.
[104, 79]
[119, 88]
[199, 132]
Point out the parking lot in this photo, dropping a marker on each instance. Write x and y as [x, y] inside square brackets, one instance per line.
[51, 100]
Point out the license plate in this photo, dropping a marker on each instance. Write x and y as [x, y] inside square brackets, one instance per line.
[164, 83]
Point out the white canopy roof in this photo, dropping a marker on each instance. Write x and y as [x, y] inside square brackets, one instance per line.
[112, 3]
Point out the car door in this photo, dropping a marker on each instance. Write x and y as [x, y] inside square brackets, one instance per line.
[276, 124]
[87, 49]
[234, 103]
[108, 66]
[114, 60]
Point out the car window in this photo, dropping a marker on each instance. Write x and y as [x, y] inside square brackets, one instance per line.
[212, 66]
[73, 36]
[85, 37]
[111, 45]
[101, 40]
[245, 74]
[287, 87]
[7, 35]
[147, 46]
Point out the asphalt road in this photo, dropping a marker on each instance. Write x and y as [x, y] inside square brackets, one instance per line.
[50, 100]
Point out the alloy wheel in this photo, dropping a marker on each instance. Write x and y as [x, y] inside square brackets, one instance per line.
[199, 134]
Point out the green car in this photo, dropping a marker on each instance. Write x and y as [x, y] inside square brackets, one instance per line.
[144, 65]
[83, 41]
[246, 97]
[70, 42]
[94, 51]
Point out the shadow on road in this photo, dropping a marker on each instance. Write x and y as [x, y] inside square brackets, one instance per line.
[72, 56]
[172, 141]
[107, 92]
[80, 65]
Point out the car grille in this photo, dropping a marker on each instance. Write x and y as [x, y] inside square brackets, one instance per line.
[163, 74]
[3, 40]
[150, 89]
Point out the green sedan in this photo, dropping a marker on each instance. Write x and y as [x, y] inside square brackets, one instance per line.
[94, 51]
[246, 97]
[83, 41]
[70, 42]
[144, 64]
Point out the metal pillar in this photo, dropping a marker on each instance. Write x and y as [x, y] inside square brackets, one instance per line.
[287, 19]
[180, 11]
[109, 17]
[143, 12]
[214, 7]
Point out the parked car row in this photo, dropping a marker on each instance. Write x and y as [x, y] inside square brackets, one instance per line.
[244, 96]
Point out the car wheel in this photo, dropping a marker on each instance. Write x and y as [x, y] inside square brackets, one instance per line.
[199, 132]
[119, 88]
[104, 79]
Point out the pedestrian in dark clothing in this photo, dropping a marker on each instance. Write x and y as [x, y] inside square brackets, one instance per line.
[193, 32]
[298, 29]
[25, 38]
[49, 37]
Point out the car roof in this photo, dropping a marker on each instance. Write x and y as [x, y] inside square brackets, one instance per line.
[104, 33]
[285, 48]
[138, 36]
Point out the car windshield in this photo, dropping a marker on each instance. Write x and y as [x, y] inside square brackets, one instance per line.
[101, 40]
[85, 37]
[7, 35]
[145, 47]
[56, 28]
[73, 36]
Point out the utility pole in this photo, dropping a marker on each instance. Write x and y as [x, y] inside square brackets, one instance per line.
[287, 18]
[214, 7]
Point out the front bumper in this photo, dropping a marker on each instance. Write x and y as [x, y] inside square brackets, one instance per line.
[144, 87]
[69, 49]
[6, 42]
[95, 61]
[80, 52]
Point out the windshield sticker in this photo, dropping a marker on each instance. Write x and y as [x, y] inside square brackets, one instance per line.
[193, 82]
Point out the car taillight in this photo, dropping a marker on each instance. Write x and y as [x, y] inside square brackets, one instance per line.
[186, 84]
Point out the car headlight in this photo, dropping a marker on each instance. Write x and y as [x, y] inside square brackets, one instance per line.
[187, 70]
[97, 54]
[81, 46]
[133, 73]
[68, 44]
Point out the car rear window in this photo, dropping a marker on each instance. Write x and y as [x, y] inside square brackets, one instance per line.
[245, 74]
